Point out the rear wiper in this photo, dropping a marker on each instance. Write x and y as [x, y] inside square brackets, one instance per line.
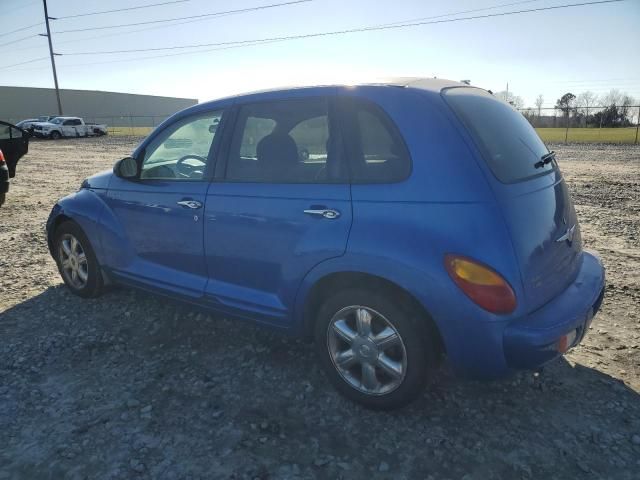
[546, 158]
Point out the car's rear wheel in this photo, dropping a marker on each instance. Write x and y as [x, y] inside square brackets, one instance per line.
[76, 261]
[374, 350]
[55, 135]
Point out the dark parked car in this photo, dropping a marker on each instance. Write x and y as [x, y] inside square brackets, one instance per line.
[4, 179]
[14, 144]
[395, 224]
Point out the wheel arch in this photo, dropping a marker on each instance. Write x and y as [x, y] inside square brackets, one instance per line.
[53, 226]
[331, 282]
[84, 208]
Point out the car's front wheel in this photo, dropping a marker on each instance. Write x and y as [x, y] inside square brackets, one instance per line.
[76, 260]
[374, 349]
[55, 135]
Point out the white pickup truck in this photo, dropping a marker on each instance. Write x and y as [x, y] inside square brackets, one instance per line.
[61, 127]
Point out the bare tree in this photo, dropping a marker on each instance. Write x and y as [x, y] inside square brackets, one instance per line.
[539, 102]
[625, 102]
[613, 98]
[585, 101]
[514, 100]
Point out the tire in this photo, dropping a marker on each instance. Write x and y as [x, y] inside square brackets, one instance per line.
[410, 356]
[55, 135]
[2, 198]
[89, 286]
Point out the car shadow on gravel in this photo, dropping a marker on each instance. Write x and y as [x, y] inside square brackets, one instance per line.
[153, 383]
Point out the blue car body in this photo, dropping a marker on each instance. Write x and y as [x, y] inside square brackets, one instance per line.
[250, 251]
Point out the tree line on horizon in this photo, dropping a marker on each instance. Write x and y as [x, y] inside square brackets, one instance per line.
[613, 109]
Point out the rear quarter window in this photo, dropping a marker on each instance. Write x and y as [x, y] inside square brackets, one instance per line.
[509, 144]
[377, 151]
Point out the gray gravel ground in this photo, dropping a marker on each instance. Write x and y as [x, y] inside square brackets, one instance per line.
[134, 386]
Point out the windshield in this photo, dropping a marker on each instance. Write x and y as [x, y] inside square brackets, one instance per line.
[510, 145]
[57, 121]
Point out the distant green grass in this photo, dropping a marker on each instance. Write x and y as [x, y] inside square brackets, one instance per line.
[589, 135]
[550, 135]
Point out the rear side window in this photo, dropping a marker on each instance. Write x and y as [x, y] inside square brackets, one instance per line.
[286, 141]
[377, 152]
[510, 145]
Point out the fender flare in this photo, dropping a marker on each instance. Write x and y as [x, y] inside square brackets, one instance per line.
[404, 276]
[83, 207]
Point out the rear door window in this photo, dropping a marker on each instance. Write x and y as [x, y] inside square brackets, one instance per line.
[286, 141]
[510, 145]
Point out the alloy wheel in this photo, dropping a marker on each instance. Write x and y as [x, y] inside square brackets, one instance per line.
[366, 349]
[73, 261]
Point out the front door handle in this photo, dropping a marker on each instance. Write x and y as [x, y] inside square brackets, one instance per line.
[194, 204]
[324, 212]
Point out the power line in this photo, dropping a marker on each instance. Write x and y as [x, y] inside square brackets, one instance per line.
[17, 40]
[114, 34]
[346, 31]
[122, 9]
[462, 12]
[249, 43]
[146, 57]
[20, 29]
[216, 14]
[28, 61]
[177, 22]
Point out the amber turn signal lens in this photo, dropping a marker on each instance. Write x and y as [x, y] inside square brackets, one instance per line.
[481, 284]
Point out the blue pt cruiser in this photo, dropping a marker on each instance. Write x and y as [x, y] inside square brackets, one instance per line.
[396, 224]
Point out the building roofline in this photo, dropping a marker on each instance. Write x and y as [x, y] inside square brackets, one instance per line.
[62, 90]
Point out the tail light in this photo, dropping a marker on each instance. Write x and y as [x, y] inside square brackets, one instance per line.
[1, 158]
[481, 284]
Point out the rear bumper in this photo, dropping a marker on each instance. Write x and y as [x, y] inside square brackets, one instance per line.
[493, 349]
[561, 324]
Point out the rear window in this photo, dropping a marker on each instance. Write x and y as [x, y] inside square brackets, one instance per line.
[509, 144]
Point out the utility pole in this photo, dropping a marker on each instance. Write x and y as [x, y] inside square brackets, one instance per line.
[53, 62]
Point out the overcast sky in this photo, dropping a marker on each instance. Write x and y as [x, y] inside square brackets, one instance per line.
[551, 52]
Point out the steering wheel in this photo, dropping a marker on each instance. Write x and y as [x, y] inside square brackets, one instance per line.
[188, 170]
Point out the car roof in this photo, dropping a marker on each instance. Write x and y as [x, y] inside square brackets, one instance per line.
[429, 84]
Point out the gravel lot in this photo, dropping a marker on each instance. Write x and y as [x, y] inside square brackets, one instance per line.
[134, 386]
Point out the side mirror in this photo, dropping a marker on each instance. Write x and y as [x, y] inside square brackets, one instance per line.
[126, 168]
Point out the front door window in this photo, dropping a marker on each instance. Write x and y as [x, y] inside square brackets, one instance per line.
[182, 152]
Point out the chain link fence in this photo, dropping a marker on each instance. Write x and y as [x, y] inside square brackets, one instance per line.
[612, 124]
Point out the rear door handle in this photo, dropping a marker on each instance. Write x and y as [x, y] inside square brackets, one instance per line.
[194, 204]
[324, 212]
